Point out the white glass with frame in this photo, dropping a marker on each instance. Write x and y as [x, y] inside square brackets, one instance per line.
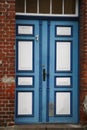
[53, 8]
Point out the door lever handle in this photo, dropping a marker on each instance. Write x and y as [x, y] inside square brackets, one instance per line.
[44, 74]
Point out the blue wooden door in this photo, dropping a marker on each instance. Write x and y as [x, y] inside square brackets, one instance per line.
[27, 72]
[46, 71]
[63, 70]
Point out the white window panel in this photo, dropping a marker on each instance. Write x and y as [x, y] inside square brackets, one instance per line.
[63, 56]
[63, 81]
[25, 55]
[63, 103]
[25, 103]
[25, 81]
[63, 31]
[25, 30]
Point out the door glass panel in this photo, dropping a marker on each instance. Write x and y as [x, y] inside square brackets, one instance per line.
[20, 6]
[44, 6]
[69, 7]
[62, 103]
[63, 56]
[24, 103]
[25, 81]
[31, 6]
[25, 55]
[56, 6]
[47, 6]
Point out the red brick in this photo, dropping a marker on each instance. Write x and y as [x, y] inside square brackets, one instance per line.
[7, 41]
[83, 58]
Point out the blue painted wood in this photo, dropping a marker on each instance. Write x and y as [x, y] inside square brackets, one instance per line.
[73, 118]
[44, 58]
[35, 73]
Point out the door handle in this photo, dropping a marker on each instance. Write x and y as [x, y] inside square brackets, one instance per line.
[44, 74]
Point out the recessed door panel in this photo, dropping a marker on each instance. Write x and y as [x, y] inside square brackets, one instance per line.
[63, 55]
[63, 31]
[25, 103]
[63, 81]
[63, 103]
[25, 81]
[25, 55]
[25, 30]
[46, 72]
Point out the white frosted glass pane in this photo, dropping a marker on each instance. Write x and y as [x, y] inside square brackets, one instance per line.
[63, 56]
[63, 103]
[25, 81]
[63, 81]
[63, 31]
[25, 30]
[24, 103]
[25, 57]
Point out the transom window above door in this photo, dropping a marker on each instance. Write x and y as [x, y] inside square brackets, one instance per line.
[47, 7]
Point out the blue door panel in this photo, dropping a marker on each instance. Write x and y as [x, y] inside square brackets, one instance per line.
[73, 89]
[45, 89]
[25, 119]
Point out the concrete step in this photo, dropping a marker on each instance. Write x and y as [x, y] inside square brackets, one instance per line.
[45, 127]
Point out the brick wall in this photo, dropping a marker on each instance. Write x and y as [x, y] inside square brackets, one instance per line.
[83, 58]
[7, 64]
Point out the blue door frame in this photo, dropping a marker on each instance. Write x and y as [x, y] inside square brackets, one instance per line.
[45, 90]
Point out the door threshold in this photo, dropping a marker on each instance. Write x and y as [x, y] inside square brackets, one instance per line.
[46, 127]
[54, 125]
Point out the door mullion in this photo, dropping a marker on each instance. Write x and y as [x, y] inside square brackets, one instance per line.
[44, 67]
[40, 70]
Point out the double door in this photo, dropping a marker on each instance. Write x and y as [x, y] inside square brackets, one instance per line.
[46, 71]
